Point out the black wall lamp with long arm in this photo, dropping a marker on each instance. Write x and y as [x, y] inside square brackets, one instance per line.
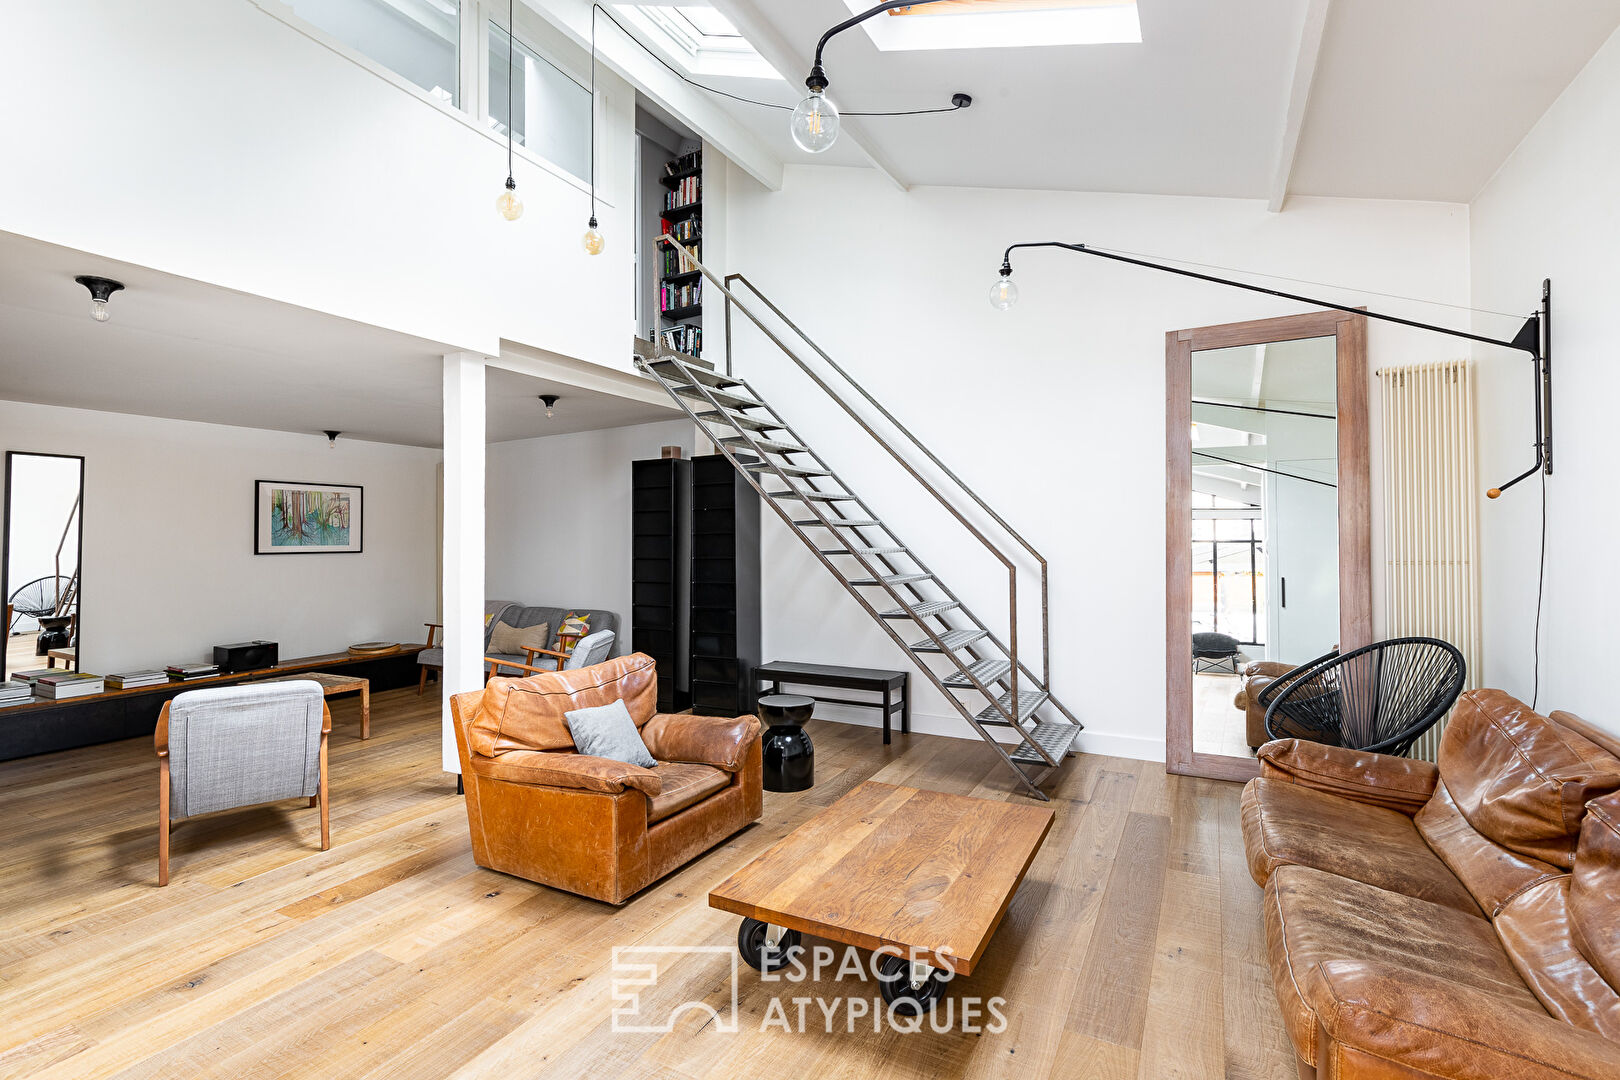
[1534, 337]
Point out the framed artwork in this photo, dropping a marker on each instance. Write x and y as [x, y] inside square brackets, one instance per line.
[307, 519]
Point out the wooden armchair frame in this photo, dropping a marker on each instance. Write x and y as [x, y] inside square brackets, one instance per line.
[160, 740]
[421, 682]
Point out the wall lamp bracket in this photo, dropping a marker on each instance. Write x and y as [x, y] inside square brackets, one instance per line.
[1534, 337]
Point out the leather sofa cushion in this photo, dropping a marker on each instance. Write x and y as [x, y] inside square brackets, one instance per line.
[1397, 783]
[528, 714]
[1538, 934]
[1594, 892]
[1521, 779]
[703, 740]
[1287, 824]
[568, 770]
[683, 785]
[1493, 873]
[1315, 918]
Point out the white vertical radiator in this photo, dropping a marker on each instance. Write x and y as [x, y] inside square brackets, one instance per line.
[1431, 536]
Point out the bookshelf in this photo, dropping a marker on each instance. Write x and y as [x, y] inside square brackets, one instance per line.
[679, 303]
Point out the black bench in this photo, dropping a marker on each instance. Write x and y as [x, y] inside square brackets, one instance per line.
[895, 686]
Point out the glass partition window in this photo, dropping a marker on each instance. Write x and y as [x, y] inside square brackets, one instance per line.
[551, 113]
[417, 39]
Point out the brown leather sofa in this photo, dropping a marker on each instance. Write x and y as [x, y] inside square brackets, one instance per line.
[596, 827]
[1459, 921]
[1257, 675]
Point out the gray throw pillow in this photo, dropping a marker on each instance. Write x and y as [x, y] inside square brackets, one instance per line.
[607, 731]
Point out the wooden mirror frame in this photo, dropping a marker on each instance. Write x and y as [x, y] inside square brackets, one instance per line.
[5, 555]
[1355, 510]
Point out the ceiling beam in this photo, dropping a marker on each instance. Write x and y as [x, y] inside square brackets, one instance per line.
[792, 63]
[1299, 96]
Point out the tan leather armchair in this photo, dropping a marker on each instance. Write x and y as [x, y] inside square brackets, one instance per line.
[538, 810]
[1257, 675]
[1457, 921]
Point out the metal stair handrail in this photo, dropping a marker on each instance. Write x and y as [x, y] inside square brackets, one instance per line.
[1046, 641]
[1012, 570]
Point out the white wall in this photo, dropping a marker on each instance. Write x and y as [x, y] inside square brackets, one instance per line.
[169, 569]
[209, 139]
[1551, 212]
[1053, 410]
[557, 515]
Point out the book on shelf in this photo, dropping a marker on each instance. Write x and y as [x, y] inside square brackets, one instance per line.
[690, 160]
[684, 193]
[33, 674]
[687, 230]
[671, 297]
[684, 338]
[16, 688]
[69, 685]
[129, 680]
[186, 672]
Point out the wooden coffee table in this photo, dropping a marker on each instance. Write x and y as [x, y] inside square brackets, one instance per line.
[922, 876]
[332, 686]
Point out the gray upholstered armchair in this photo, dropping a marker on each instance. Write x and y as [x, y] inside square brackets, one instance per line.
[591, 649]
[230, 746]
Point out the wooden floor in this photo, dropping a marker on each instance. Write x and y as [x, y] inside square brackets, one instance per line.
[1134, 948]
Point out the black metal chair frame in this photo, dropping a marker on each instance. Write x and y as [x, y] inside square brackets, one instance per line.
[19, 612]
[1310, 682]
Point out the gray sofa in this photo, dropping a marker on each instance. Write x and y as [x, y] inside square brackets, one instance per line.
[513, 614]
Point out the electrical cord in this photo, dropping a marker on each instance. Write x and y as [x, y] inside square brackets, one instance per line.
[679, 74]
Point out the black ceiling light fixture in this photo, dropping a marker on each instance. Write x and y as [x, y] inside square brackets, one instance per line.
[507, 202]
[548, 400]
[100, 289]
[1534, 337]
[331, 438]
[815, 120]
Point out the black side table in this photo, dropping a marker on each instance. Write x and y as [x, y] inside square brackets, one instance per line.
[790, 760]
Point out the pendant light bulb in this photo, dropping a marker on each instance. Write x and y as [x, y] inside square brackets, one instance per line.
[815, 120]
[508, 203]
[98, 311]
[1004, 293]
[100, 289]
[593, 240]
[548, 400]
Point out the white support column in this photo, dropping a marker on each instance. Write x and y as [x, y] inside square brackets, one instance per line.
[463, 536]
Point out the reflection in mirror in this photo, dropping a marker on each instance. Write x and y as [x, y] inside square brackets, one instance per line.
[1265, 526]
[40, 574]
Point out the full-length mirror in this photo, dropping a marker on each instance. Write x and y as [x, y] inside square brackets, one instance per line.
[1268, 486]
[39, 573]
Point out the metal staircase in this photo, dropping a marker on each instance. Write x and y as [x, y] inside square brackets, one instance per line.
[981, 675]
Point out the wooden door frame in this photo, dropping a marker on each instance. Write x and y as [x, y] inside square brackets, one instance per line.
[1355, 509]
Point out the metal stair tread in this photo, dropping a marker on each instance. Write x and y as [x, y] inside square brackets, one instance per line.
[926, 608]
[861, 551]
[694, 374]
[986, 671]
[737, 420]
[892, 579]
[843, 523]
[728, 398]
[790, 470]
[951, 639]
[1028, 702]
[813, 496]
[775, 446]
[1056, 737]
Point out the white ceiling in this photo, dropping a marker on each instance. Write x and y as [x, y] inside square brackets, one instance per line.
[1409, 100]
[186, 350]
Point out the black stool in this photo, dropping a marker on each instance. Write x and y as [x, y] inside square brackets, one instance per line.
[790, 760]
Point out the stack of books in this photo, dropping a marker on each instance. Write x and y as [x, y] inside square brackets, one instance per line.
[188, 672]
[15, 692]
[33, 674]
[129, 680]
[58, 685]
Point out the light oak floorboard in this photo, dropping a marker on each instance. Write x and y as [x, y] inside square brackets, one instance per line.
[1134, 948]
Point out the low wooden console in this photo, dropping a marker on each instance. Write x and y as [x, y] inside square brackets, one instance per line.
[42, 727]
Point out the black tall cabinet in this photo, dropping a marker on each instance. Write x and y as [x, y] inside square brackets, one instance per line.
[725, 610]
[660, 587]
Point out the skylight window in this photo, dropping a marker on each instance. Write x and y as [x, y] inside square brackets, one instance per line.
[1002, 24]
[699, 39]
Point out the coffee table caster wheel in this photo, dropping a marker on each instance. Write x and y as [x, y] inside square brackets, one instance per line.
[765, 947]
[910, 989]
